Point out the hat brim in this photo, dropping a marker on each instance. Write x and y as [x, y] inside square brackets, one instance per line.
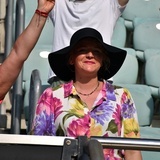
[59, 62]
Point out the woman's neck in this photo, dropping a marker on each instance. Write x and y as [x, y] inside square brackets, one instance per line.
[88, 90]
[86, 86]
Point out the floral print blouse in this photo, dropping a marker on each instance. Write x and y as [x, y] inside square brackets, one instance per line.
[61, 112]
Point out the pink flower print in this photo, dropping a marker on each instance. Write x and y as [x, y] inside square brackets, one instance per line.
[56, 107]
[79, 127]
[67, 89]
[117, 117]
[124, 97]
[45, 101]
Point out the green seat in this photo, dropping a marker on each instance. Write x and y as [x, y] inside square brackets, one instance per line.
[152, 74]
[151, 133]
[129, 67]
[146, 35]
[119, 34]
[152, 79]
[152, 71]
[140, 8]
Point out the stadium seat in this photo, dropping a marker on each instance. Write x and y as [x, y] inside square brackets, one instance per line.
[119, 34]
[152, 74]
[131, 63]
[152, 71]
[146, 35]
[140, 8]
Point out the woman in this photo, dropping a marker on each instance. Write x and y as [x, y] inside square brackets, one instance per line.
[87, 104]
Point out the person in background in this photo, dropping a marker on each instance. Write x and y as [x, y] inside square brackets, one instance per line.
[13, 64]
[70, 15]
[88, 105]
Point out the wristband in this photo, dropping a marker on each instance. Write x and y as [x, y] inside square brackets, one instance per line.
[40, 13]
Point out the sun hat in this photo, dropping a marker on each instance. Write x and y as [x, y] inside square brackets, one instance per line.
[58, 60]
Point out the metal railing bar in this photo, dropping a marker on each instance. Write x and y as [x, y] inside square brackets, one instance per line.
[130, 143]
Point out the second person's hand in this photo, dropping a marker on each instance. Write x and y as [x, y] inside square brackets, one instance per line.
[45, 5]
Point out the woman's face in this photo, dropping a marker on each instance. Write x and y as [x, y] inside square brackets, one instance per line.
[87, 56]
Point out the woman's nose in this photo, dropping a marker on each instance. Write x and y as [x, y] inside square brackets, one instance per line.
[89, 54]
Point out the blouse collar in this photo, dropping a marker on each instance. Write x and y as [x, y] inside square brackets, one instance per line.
[107, 90]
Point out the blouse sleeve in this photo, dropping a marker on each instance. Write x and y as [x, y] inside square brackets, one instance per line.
[43, 123]
[130, 125]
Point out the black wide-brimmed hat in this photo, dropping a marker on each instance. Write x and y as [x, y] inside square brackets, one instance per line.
[59, 60]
